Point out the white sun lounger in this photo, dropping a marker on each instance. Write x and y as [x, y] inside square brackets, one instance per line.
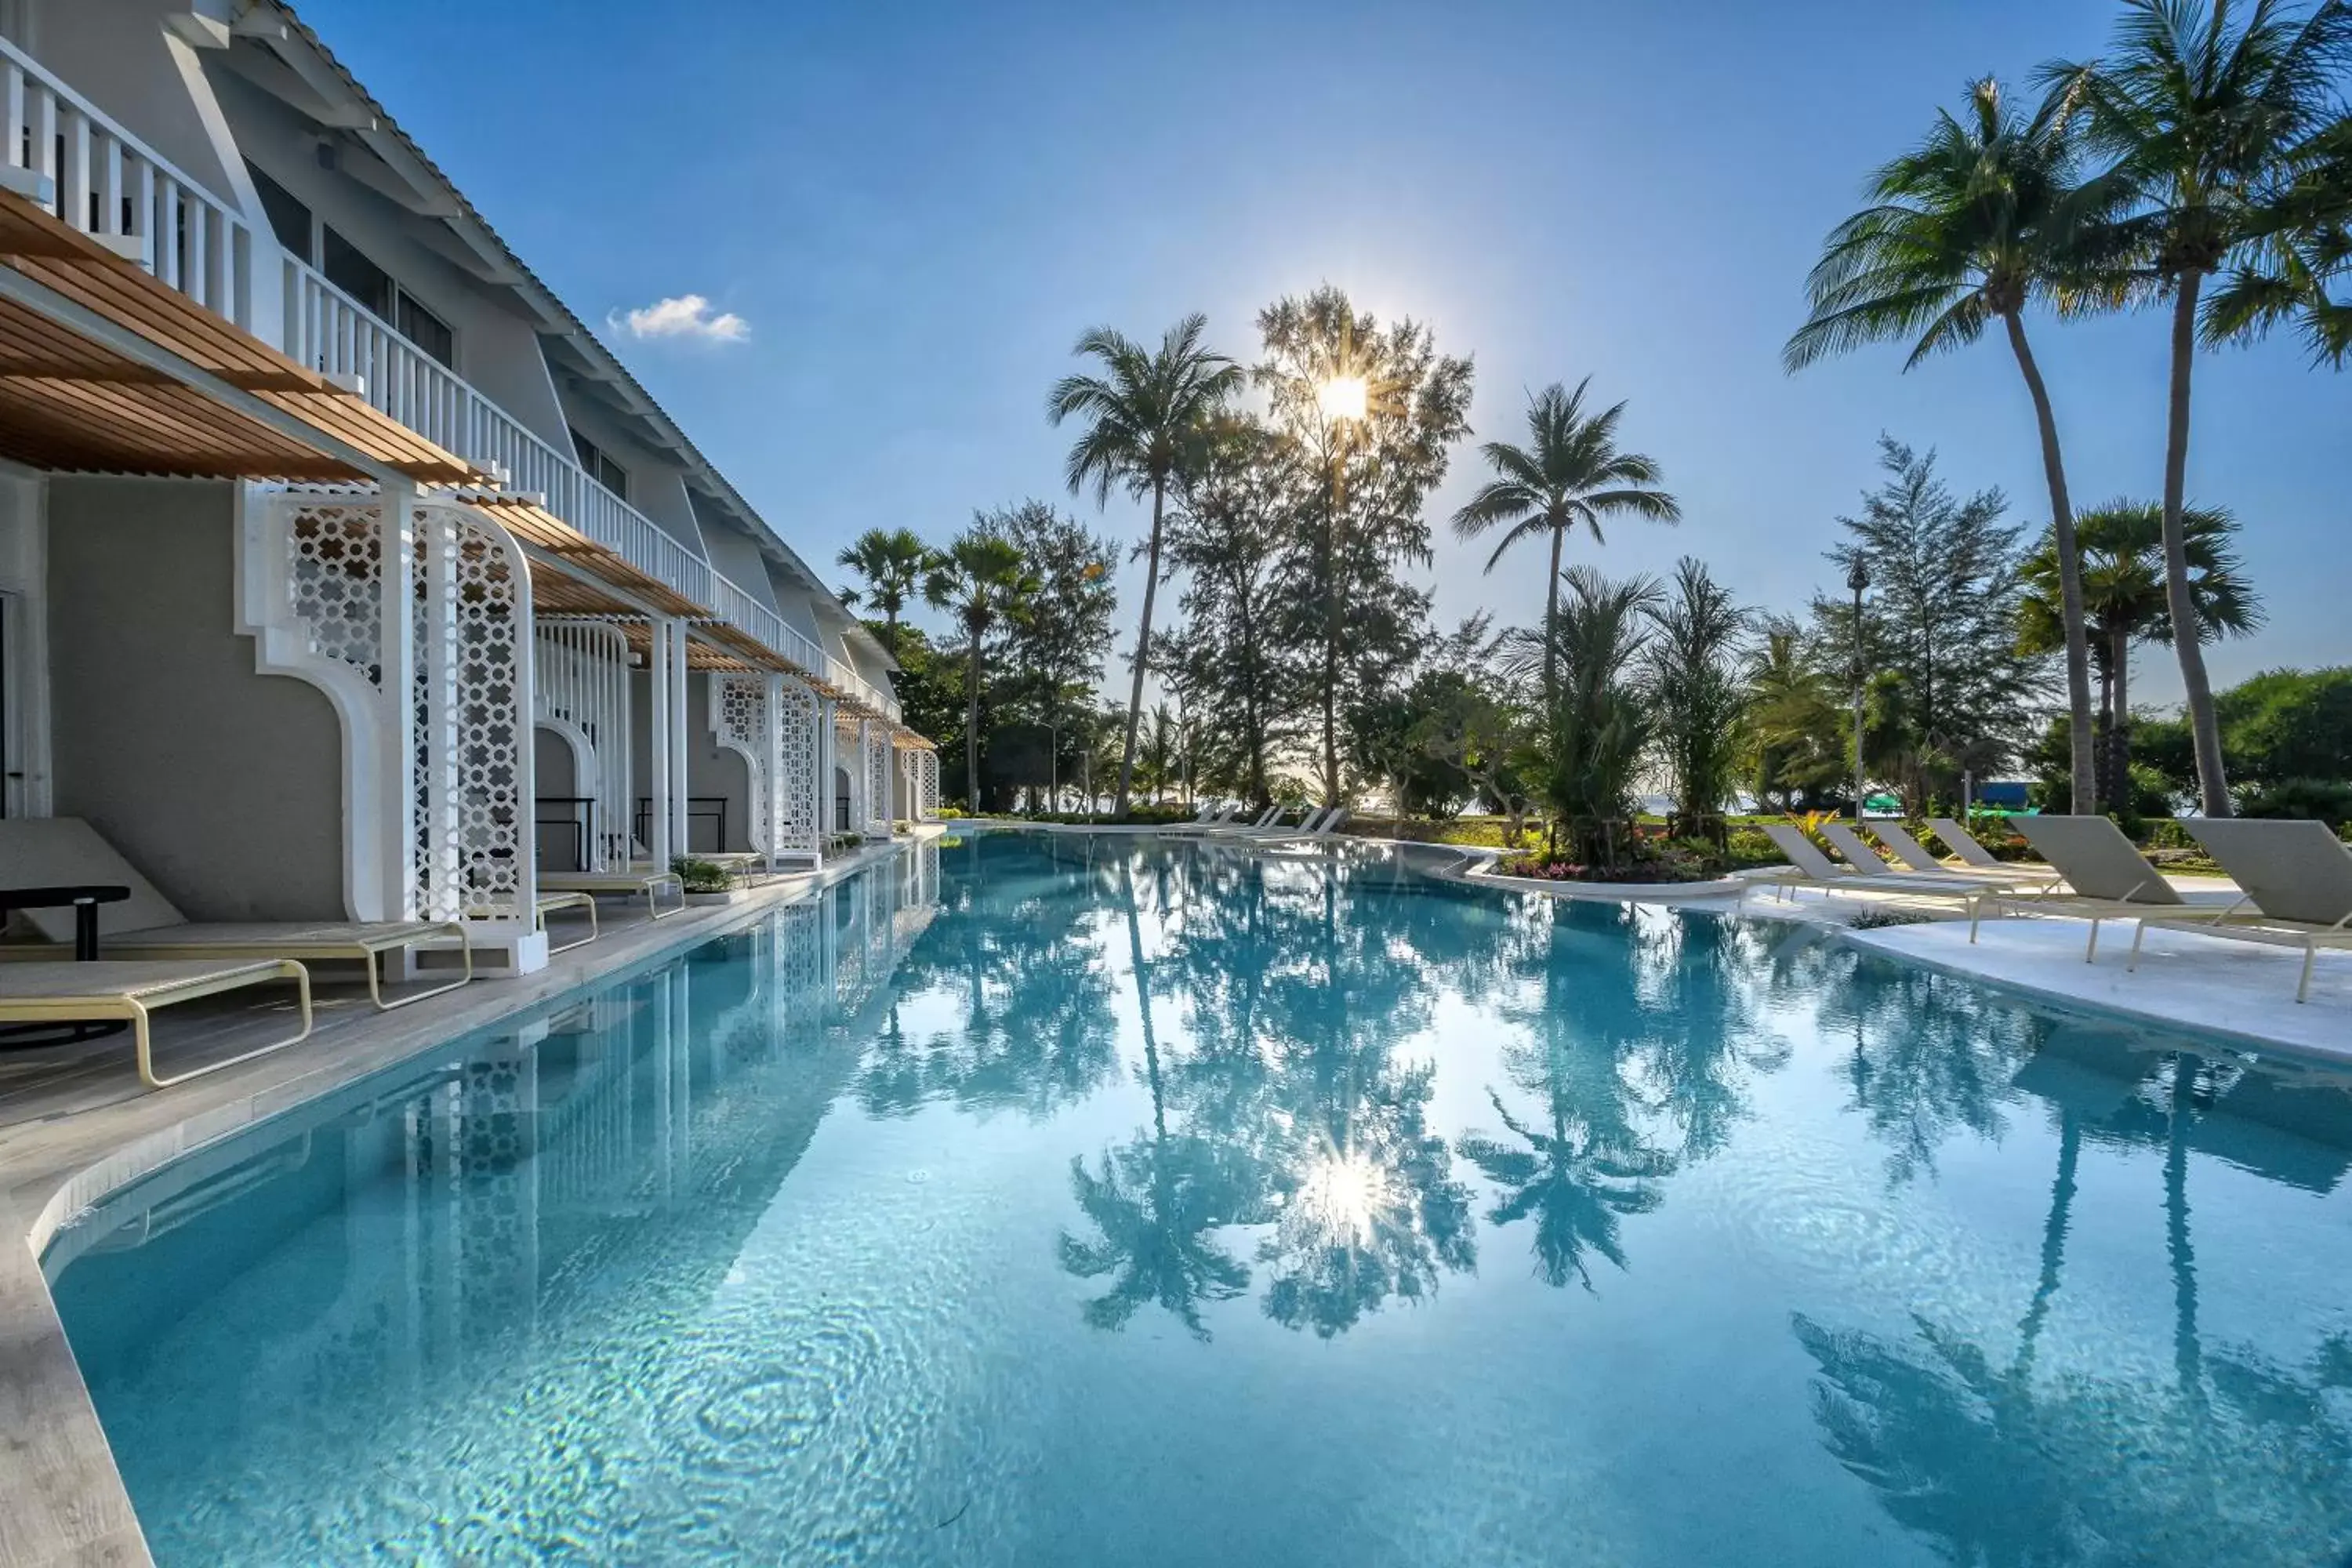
[63, 992]
[1865, 863]
[66, 849]
[1808, 867]
[1982, 864]
[2295, 878]
[632, 881]
[2102, 876]
[1975, 856]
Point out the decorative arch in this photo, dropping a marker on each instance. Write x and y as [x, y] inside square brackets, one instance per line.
[412, 616]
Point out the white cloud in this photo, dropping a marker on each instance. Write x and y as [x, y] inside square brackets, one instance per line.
[685, 316]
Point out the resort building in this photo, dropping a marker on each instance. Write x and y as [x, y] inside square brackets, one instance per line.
[344, 574]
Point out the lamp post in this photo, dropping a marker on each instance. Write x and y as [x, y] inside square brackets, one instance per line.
[1857, 577]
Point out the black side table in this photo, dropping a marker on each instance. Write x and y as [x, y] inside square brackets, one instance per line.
[84, 902]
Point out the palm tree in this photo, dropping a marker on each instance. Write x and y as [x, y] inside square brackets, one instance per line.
[1147, 418]
[2205, 122]
[2302, 247]
[1973, 226]
[1570, 472]
[892, 561]
[979, 580]
[2124, 601]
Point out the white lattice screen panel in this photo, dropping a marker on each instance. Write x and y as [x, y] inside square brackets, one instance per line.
[926, 784]
[800, 718]
[459, 738]
[876, 741]
[739, 718]
[334, 578]
[476, 593]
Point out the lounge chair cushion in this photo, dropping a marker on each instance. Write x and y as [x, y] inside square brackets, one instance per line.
[1960, 842]
[55, 980]
[2292, 870]
[292, 938]
[66, 851]
[2096, 859]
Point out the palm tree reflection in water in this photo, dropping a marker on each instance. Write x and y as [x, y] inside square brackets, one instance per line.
[2240, 1460]
[1288, 1150]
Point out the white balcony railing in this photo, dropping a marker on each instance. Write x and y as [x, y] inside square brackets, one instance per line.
[334, 334]
[90, 172]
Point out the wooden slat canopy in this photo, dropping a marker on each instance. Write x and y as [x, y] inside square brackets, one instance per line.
[69, 404]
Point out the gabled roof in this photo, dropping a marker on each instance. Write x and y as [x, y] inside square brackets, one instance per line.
[349, 107]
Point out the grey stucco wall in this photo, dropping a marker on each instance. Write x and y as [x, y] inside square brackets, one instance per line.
[225, 787]
[709, 769]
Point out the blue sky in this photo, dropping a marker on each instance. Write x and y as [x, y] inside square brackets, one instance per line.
[914, 209]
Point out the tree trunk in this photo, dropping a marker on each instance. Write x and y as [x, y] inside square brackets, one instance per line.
[1142, 648]
[2119, 738]
[2081, 746]
[2204, 728]
[1331, 640]
[971, 724]
[1552, 628]
[2106, 725]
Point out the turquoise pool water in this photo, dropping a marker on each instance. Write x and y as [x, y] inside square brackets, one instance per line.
[1067, 1201]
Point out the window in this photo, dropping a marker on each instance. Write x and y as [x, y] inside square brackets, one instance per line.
[372, 287]
[426, 330]
[599, 466]
[354, 274]
[290, 220]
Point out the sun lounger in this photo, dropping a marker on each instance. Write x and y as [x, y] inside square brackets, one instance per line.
[65, 992]
[1228, 829]
[1809, 866]
[66, 849]
[632, 882]
[1865, 863]
[2102, 876]
[2295, 878]
[1974, 856]
[547, 904]
[1982, 864]
[1320, 825]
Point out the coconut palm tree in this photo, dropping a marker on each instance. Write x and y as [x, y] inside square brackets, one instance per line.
[892, 561]
[1571, 472]
[1147, 418]
[2124, 602]
[979, 580]
[1978, 223]
[2302, 249]
[2206, 119]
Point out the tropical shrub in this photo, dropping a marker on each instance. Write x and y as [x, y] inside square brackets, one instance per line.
[2315, 800]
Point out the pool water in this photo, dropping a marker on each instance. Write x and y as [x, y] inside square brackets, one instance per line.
[1103, 1201]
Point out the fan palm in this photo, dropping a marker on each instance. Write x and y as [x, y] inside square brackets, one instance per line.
[2124, 602]
[979, 580]
[1147, 416]
[892, 561]
[2206, 119]
[1979, 221]
[1570, 472]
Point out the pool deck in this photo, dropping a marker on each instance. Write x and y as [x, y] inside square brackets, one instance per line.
[78, 1126]
[75, 1124]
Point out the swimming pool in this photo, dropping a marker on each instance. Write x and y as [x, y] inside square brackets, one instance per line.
[1077, 1200]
